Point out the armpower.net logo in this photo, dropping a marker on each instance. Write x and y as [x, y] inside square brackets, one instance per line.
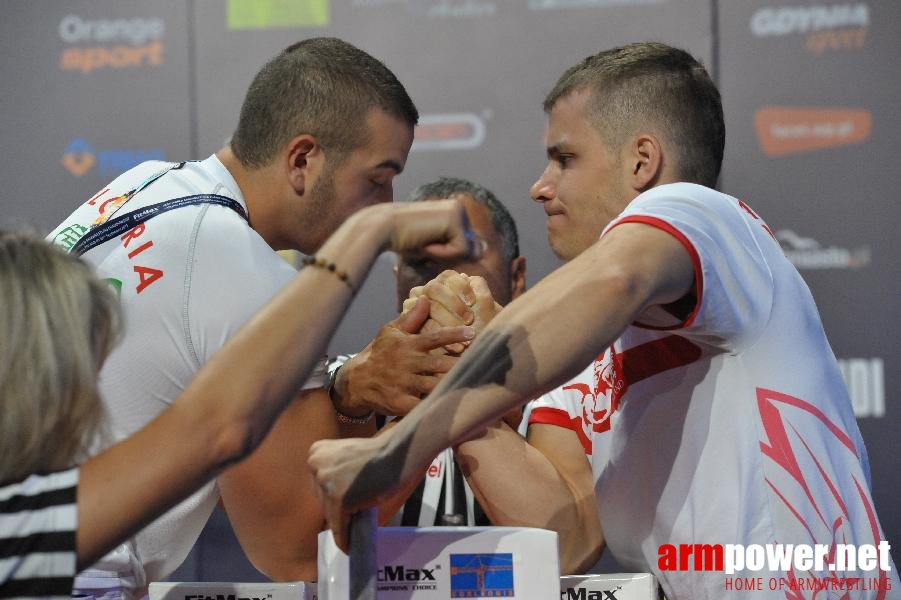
[783, 130]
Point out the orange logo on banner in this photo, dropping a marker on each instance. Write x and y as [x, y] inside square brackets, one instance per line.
[458, 131]
[78, 163]
[115, 57]
[790, 130]
[819, 42]
[443, 131]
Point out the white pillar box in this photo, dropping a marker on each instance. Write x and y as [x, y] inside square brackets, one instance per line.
[200, 590]
[441, 563]
[609, 586]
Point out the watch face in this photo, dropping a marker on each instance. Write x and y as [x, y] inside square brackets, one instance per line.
[331, 371]
[332, 374]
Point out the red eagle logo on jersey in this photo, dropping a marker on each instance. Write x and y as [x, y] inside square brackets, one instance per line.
[615, 372]
[599, 402]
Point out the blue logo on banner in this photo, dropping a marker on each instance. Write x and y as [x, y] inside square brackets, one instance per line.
[79, 157]
[481, 575]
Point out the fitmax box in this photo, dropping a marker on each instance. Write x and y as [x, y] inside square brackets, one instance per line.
[609, 586]
[200, 590]
[432, 563]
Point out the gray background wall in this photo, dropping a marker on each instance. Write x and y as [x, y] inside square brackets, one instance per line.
[810, 91]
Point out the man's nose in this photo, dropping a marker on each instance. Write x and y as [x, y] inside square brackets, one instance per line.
[543, 189]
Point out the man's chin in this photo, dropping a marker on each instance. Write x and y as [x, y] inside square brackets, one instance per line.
[558, 251]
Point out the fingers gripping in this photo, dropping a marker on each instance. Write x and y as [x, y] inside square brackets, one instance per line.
[416, 313]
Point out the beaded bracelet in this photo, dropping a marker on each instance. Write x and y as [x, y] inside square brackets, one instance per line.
[349, 420]
[321, 263]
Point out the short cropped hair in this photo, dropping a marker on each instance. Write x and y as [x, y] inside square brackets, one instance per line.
[650, 84]
[501, 220]
[321, 86]
[58, 323]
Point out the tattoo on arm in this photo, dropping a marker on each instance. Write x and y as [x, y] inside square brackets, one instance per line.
[375, 475]
[488, 361]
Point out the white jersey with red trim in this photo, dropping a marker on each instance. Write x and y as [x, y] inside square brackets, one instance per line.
[730, 426]
[188, 279]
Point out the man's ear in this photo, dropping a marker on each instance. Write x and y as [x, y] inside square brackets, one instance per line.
[304, 161]
[645, 162]
[517, 276]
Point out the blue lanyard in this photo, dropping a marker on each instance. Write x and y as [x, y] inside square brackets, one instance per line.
[119, 225]
[115, 227]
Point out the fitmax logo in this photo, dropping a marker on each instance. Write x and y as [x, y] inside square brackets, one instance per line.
[79, 158]
[583, 594]
[401, 573]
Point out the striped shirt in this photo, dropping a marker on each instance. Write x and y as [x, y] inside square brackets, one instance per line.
[38, 518]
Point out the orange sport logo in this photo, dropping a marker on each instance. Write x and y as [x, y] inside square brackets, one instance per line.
[785, 130]
[110, 43]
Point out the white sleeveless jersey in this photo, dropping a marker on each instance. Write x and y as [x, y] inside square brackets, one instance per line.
[188, 279]
[732, 426]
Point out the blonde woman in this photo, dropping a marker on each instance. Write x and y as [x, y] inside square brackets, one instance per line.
[57, 325]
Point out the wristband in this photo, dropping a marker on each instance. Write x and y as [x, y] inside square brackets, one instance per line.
[348, 420]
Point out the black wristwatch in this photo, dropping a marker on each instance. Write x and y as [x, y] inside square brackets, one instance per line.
[331, 372]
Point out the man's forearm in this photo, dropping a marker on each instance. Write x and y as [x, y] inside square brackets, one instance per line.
[518, 485]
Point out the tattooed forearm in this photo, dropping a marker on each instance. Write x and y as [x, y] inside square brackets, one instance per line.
[490, 360]
[383, 473]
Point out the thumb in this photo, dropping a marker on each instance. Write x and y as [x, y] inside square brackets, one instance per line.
[411, 321]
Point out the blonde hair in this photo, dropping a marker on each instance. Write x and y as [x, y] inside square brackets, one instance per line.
[57, 325]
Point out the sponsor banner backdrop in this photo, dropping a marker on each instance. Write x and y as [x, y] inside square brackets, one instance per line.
[91, 89]
[810, 97]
